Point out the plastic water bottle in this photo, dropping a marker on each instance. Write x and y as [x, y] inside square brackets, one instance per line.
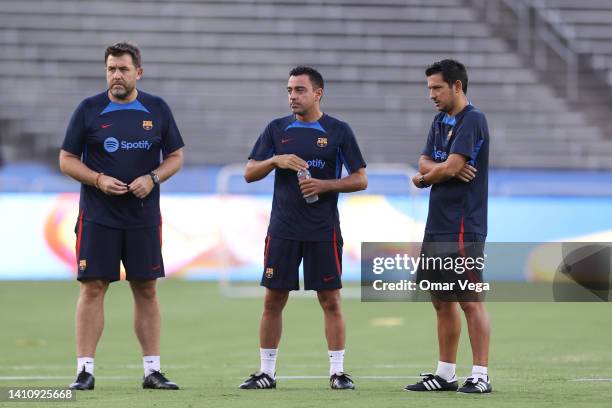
[305, 175]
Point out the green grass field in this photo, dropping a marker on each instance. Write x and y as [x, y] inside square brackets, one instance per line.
[210, 344]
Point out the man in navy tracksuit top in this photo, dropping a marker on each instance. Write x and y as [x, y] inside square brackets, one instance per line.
[113, 146]
[455, 163]
[301, 231]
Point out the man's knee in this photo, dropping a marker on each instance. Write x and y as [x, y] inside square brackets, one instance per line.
[443, 307]
[330, 300]
[472, 308]
[146, 291]
[275, 301]
[94, 289]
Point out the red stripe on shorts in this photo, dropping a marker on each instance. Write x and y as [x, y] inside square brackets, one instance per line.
[79, 234]
[470, 273]
[160, 230]
[269, 238]
[336, 253]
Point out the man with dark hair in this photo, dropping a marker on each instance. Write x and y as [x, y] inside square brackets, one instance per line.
[113, 146]
[455, 163]
[304, 223]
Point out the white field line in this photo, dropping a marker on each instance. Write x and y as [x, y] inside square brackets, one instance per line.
[286, 377]
[57, 377]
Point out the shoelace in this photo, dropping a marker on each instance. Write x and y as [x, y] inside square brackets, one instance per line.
[257, 374]
[159, 375]
[427, 376]
[342, 375]
[473, 380]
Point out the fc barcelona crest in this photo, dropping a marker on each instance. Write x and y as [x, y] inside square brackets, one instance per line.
[269, 273]
[82, 264]
[322, 142]
[147, 124]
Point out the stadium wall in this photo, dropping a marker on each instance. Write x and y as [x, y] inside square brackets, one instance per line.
[207, 236]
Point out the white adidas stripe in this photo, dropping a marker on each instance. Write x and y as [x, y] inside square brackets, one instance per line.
[426, 383]
[437, 384]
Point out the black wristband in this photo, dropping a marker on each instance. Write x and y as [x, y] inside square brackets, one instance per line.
[154, 177]
[422, 182]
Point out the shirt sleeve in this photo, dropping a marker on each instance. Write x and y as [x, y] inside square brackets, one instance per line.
[264, 147]
[171, 136]
[468, 138]
[429, 145]
[75, 138]
[349, 151]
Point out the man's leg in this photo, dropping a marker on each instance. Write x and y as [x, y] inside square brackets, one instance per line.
[270, 329]
[89, 323]
[449, 329]
[271, 325]
[147, 323]
[335, 328]
[282, 258]
[147, 320]
[90, 317]
[335, 333]
[479, 329]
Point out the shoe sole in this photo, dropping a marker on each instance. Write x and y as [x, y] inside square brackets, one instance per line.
[267, 388]
[430, 390]
[477, 393]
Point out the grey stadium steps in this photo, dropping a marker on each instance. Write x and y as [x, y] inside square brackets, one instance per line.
[222, 67]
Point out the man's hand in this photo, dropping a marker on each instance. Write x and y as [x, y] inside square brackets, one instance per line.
[142, 186]
[111, 186]
[290, 161]
[467, 173]
[416, 180]
[314, 186]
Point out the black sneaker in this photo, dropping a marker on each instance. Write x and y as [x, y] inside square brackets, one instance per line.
[431, 382]
[341, 381]
[474, 385]
[157, 381]
[258, 381]
[84, 381]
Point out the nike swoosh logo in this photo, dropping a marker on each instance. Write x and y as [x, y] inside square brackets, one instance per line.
[328, 278]
[105, 126]
[286, 140]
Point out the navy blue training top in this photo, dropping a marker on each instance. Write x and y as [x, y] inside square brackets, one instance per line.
[326, 145]
[124, 141]
[455, 206]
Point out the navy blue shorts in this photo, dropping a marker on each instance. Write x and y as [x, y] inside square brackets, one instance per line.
[452, 258]
[322, 264]
[100, 250]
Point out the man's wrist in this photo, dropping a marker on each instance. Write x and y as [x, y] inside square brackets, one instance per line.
[422, 182]
[274, 161]
[97, 181]
[329, 185]
[154, 178]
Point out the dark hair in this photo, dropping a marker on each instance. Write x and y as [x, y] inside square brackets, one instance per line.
[315, 77]
[124, 47]
[451, 71]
